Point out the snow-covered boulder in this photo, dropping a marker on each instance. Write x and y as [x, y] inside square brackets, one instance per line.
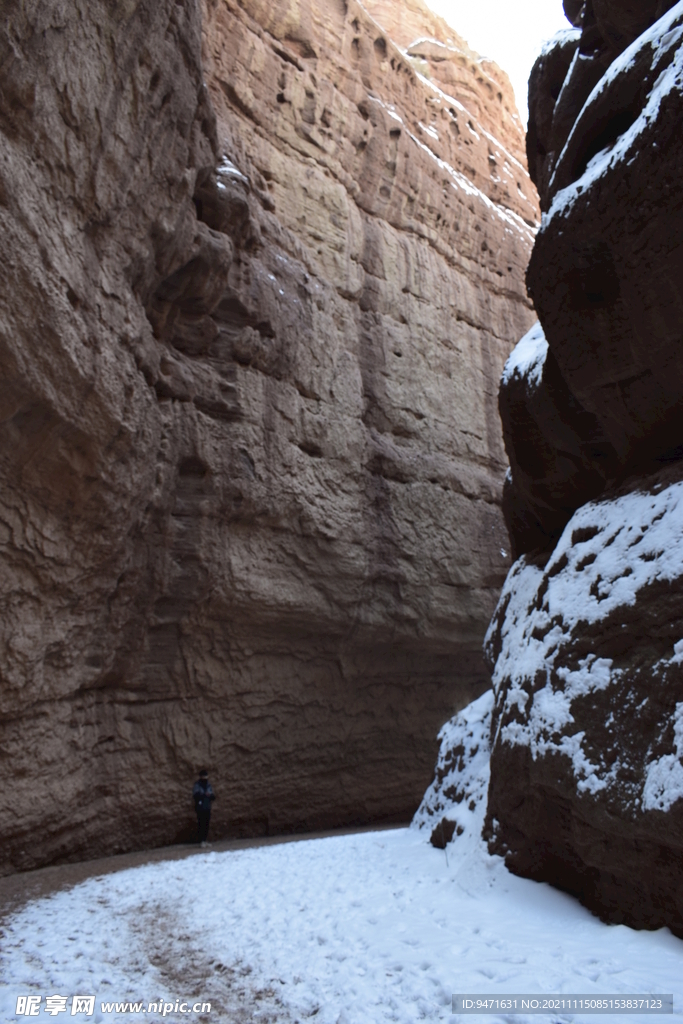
[586, 646]
[586, 784]
[455, 803]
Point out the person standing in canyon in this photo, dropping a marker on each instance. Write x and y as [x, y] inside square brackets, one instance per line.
[203, 796]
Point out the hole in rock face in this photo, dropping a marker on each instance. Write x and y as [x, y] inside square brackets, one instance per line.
[381, 47]
[311, 449]
[308, 109]
[192, 466]
[672, 454]
[395, 133]
[592, 42]
[302, 47]
[593, 283]
[247, 463]
[265, 329]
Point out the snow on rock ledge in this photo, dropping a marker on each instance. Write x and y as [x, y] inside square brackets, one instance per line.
[527, 358]
[587, 655]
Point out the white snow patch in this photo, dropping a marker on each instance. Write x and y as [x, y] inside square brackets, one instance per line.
[667, 41]
[496, 142]
[527, 357]
[664, 778]
[462, 183]
[227, 169]
[429, 131]
[460, 795]
[609, 551]
[361, 929]
[507, 215]
[563, 36]
[550, 713]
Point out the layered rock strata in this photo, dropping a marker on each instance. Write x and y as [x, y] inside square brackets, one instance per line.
[585, 647]
[442, 57]
[254, 313]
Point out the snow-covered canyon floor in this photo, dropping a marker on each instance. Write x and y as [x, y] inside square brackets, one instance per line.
[353, 929]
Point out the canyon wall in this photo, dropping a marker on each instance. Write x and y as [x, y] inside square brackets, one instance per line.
[586, 644]
[261, 276]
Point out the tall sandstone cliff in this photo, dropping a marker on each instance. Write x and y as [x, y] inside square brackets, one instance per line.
[261, 270]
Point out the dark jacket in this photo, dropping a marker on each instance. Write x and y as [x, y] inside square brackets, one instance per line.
[202, 794]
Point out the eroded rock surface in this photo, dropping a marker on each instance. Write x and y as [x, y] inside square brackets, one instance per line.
[445, 59]
[250, 336]
[605, 274]
[585, 646]
[587, 767]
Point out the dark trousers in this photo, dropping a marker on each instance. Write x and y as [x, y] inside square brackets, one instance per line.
[203, 821]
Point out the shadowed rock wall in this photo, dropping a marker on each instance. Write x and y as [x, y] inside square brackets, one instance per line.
[585, 646]
[249, 338]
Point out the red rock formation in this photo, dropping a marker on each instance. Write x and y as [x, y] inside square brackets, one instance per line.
[586, 772]
[444, 58]
[250, 459]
